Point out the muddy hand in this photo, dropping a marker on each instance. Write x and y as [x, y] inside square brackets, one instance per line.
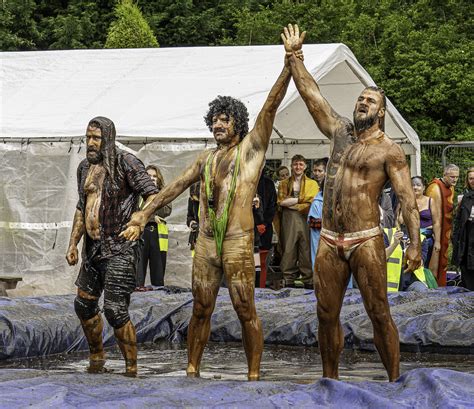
[72, 255]
[134, 227]
[413, 257]
[131, 233]
[292, 39]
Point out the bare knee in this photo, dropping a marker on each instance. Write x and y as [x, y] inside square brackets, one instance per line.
[379, 315]
[244, 311]
[202, 310]
[328, 314]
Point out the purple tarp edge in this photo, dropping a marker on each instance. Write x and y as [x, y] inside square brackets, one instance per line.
[419, 388]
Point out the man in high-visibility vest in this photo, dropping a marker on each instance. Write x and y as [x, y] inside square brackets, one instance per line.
[396, 281]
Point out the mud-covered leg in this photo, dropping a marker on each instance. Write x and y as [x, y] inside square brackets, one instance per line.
[239, 269]
[119, 283]
[87, 309]
[127, 342]
[331, 276]
[369, 267]
[207, 275]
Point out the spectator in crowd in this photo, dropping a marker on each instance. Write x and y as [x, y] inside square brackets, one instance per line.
[267, 193]
[396, 241]
[442, 192]
[319, 169]
[259, 222]
[430, 222]
[390, 192]
[282, 173]
[192, 217]
[315, 214]
[155, 239]
[463, 234]
[385, 203]
[295, 195]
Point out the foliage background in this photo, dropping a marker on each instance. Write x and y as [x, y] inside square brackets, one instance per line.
[419, 51]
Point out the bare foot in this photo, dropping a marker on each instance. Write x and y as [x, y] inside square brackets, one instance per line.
[97, 366]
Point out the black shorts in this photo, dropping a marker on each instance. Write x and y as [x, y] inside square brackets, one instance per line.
[117, 273]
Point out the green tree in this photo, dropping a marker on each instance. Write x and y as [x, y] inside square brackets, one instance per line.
[18, 29]
[130, 30]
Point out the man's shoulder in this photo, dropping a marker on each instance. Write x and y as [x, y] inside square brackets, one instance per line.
[83, 164]
[345, 127]
[127, 158]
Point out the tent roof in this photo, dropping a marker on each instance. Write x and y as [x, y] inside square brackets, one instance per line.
[164, 92]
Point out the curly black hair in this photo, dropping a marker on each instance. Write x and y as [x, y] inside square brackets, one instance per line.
[232, 108]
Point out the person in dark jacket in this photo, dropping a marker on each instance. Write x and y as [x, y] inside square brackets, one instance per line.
[264, 228]
[463, 235]
[154, 250]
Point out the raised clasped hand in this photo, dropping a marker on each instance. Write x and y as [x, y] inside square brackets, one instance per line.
[292, 40]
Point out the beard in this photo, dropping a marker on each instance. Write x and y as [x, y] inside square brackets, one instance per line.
[362, 124]
[94, 157]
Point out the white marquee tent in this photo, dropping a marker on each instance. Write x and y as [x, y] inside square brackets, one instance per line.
[157, 99]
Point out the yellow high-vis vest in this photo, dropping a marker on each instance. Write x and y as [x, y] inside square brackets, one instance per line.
[163, 236]
[394, 264]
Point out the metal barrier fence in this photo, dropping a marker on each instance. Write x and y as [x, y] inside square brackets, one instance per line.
[436, 155]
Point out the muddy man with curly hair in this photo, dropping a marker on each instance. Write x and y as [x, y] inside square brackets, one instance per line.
[229, 175]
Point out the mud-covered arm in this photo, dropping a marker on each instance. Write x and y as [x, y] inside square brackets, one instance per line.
[78, 229]
[397, 169]
[165, 196]
[327, 120]
[78, 224]
[260, 135]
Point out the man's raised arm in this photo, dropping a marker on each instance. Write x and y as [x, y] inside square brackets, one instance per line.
[399, 174]
[262, 130]
[138, 220]
[327, 120]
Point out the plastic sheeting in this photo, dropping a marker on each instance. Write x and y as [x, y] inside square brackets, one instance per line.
[438, 319]
[419, 388]
[38, 196]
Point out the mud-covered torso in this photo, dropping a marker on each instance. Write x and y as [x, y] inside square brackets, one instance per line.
[93, 190]
[109, 206]
[221, 169]
[355, 177]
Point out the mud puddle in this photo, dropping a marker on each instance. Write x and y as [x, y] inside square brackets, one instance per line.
[227, 361]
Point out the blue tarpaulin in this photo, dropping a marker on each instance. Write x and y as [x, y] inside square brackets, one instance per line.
[441, 318]
[419, 388]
